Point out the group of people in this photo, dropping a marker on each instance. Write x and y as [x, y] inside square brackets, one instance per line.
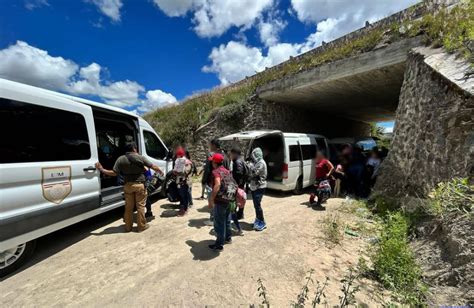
[225, 178]
[354, 174]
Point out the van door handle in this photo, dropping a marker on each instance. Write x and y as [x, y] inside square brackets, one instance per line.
[89, 169]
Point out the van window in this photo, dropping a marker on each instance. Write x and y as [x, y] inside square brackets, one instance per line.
[153, 146]
[32, 133]
[295, 153]
[309, 151]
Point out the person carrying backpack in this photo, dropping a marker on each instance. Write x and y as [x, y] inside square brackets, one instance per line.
[224, 190]
[258, 183]
[182, 170]
[214, 148]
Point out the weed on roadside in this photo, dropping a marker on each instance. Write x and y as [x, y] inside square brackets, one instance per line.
[333, 229]
[394, 263]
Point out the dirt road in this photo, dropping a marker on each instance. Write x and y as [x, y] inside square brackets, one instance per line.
[95, 264]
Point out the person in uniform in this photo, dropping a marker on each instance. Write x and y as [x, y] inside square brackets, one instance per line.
[131, 167]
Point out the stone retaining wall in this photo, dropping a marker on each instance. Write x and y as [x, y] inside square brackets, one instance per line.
[257, 114]
[434, 128]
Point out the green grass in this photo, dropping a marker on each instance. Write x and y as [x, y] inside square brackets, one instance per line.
[394, 263]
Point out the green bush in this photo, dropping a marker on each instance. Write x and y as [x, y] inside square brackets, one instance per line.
[394, 263]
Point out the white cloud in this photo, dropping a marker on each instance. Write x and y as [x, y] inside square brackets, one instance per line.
[110, 8]
[269, 31]
[234, 61]
[34, 4]
[336, 18]
[175, 8]
[214, 17]
[156, 99]
[332, 19]
[119, 93]
[24, 63]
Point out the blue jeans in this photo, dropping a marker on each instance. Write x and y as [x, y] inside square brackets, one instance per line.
[257, 196]
[183, 197]
[222, 223]
[235, 219]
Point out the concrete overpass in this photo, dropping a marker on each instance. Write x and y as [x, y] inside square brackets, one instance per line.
[363, 88]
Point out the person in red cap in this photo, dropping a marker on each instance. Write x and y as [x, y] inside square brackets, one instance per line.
[221, 182]
[182, 169]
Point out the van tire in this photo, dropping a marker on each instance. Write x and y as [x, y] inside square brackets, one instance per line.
[24, 257]
[299, 186]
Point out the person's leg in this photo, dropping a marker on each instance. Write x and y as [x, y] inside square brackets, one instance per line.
[220, 221]
[235, 219]
[228, 228]
[148, 207]
[203, 190]
[183, 196]
[140, 200]
[257, 203]
[190, 195]
[129, 205]
[209, 190]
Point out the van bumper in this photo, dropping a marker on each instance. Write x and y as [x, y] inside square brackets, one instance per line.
[280, 186]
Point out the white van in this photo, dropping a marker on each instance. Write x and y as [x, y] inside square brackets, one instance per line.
[290, 157]
[50, 143]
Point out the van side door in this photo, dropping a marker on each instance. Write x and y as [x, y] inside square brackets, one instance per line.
[47, 172]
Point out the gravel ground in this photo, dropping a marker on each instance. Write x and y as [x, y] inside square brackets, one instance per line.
[94, 263]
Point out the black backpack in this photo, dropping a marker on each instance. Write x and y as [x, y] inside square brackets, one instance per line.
[228, 190]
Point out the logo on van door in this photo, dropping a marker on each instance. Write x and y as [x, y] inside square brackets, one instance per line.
[56, 183]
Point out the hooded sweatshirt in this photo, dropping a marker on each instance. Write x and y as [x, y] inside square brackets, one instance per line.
[258, 170]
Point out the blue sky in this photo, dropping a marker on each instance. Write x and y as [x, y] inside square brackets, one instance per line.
[143, 54]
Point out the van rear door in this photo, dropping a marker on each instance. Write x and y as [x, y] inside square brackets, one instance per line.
[47, 171]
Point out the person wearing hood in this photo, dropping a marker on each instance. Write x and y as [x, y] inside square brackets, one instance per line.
[258, 183]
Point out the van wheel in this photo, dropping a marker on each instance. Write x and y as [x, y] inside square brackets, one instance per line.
[13, 258]
[299, 186]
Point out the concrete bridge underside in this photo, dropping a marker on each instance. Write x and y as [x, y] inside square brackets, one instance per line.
[362, 88]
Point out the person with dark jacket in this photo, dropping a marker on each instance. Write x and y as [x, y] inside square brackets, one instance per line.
[239, 174]
[238, 167]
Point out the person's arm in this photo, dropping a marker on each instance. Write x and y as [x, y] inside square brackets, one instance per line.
[150, 165]
[331, 168]
[157, 169]
[105, 171]
[215, 190]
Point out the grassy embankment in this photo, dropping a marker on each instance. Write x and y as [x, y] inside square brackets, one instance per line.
[453, 30]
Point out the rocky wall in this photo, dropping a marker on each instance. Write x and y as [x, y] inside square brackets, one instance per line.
[256, 114]
[434, 126]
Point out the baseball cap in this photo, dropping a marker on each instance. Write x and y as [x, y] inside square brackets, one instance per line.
[218, 158]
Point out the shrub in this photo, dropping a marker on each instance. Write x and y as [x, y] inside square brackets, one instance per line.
[394, 263]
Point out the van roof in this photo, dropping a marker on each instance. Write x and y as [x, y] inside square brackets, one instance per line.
[21, 87]
[257, 133]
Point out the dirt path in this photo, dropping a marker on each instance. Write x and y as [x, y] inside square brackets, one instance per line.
[96, 264]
